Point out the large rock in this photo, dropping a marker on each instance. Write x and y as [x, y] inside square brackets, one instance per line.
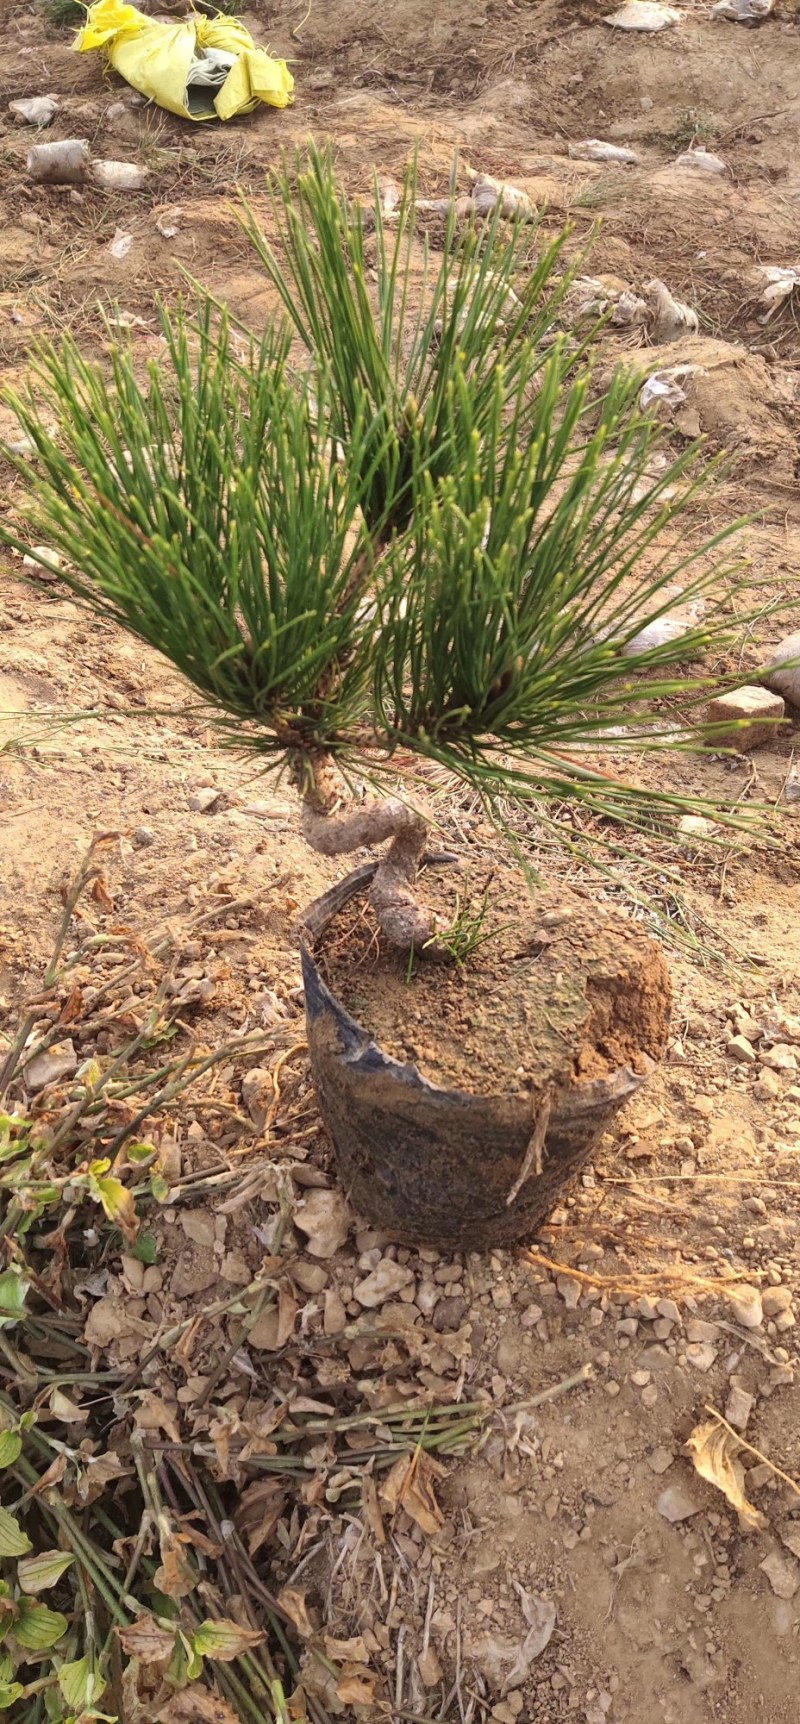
[745, 717]
[785, 681]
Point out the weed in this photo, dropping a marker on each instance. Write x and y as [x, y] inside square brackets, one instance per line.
[63, 14]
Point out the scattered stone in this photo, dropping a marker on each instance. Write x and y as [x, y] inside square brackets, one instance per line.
[203, 800]
[63, 163]
[781, 674]
[745, 717]
[640, 1379]
[449, 1313]
[702, 1355]
[747, 1307]
[746, 1025]
[194, 1271]
[781, 1058]
[701, 160]
[198, 1225]
[116, 111]
[257, 1093]
[334, 1315]
[767, 1087]
[785, 1321]
[739, 1048]
[739, 1407]
[648, 15]
[699, 1330]
[676, 1504]
[429, 1668]
[667, 1308]
[119, 176]
[695, 826]
[791, 1536]
[143, 837]
[387, 1278]
[649, 1396]
[782, 1572]
[236, 1269]
[311, 1277]
[325, 1219]
[775, 1300]
[35, 110]
[51, 1066]
[660, 1460]
[569, 1289]
[595, 150]
[648, 1308]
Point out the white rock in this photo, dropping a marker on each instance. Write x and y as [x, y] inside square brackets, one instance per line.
[387, 1278]
[120, 244]
[204, 799]
[42, 554]
[781, 1058]
[695, 827]
[739, 1407]
[658, 633]
[739, 1048]
[782, 1572]
[35, 110]
[676, 1504]
[325, 1219]
[702, 1355]
[569, 1289]
[785, 681]
[699, 1330]
[747, 1307]
[702, 161]
[55, 1063]
[118, 176]
[742, 11]
[595, 150]
[646, 15]
[775, 1300]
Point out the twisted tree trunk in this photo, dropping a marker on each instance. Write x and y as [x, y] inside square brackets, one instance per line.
[334, 833]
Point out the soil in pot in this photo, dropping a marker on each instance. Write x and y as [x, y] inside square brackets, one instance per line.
[560, 991]
[460, 1100]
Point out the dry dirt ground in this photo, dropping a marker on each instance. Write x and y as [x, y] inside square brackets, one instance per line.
[663, 1608]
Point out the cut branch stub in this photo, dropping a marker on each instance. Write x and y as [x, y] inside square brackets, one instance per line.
[392, 894]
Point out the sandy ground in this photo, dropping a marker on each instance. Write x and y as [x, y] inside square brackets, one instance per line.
[663, 1608]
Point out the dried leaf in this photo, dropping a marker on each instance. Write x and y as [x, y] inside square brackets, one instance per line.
[66, 1410]
[147, 1641]
[347, 1651]
[293, 1602]
[97, 1472]
[224, 1639]
[153, 1414]
[713, 1449]
[409, 1485]
[259, 1509]
[274, 1326]
[372, 1508]
[357, 1687]
[196, 1706]
[175, 1577]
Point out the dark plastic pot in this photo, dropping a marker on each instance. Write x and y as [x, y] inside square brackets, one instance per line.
[433, 1166]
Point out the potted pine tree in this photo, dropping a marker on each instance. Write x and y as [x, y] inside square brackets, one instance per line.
[403, 532]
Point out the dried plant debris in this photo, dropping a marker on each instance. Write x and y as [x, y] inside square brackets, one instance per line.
[714, 1449]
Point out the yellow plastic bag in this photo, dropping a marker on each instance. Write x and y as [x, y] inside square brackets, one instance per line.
[201, 68]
